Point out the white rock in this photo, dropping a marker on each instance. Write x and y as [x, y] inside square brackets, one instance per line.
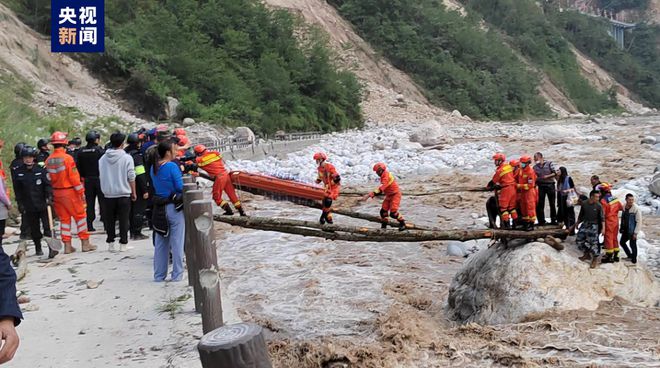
[456, 114]
[244, 133]
[456, 249]
[506, 285]
[648, 140]
[654, 187]
[188, 122]
[378, 146]
[171, 108]
[474, 215]
[431, 133]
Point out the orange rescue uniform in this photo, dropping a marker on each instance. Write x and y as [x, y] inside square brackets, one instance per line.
[327, 174]
[211, 162]
[528, 195]
[68, 193]
[611, 208]
[390, 188]
[3, 175]
[508, 192]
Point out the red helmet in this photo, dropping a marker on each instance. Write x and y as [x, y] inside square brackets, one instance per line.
[320, 156]
[183, 140]
[514, 163]
[604, 187]
[58, 138]
[526, 159]
[380, 166]
[499, 157]
[199, 149]
[179, 131]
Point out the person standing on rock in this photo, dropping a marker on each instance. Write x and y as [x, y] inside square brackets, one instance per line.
[611, 208]
[545, 182]
[528, 197]
[117, 174]
[139, 205]
[211, 162]
[34, 191]
[504, 184]
[328, 175]
[392, 201]
[631, 225]
[68, 194]
[88, 167]
[592, 219]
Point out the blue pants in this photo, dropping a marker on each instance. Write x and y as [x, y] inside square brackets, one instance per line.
[174, 243]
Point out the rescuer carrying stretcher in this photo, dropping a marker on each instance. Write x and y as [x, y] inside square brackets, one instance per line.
[211, 162]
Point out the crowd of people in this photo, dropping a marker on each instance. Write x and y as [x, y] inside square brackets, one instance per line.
[519, 201]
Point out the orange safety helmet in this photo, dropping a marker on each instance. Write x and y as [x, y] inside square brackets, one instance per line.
[199, 149]
[604, 187]
[58, 138]
[514, 163]
[380, 166]
[526, 159]
[499, 157]
[179, 131]
[320, 156]
[183, 140]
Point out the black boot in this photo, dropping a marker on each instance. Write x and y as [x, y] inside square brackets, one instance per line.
[615, 257]
[52, 253]
[37, 248]
[228, 211]
[608, 258]
[241, 211]
[322, 218]
[383, 225]
[328, 218]
[529, 226]
[402, 225]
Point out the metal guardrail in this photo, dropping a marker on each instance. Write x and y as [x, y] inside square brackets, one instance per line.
[232, 144]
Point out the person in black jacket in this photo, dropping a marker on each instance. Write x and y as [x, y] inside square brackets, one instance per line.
[140, 204]
[15, 164]
[74, 148]
[44, 152]
[33, 189]
[88, 167]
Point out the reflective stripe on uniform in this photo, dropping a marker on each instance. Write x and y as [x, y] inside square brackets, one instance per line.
[55, 169]
[82, 222]
[65, 226]
[506, 169]
[139, 170]
[209, 160]
[78, 187]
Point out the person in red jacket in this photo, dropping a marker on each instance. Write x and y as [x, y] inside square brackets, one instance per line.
[328, 175]
[211, 162]
[611, 208]
[504, 182]
[68, 193]
[390, 188]
[526, 180]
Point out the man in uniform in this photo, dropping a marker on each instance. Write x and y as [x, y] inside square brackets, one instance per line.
[44, 152]
[504, 182]
[211, 162]
[88, 167]
[526, 179]
[140, 204]
[34, 191]
[392, 201]
[328, 175]
[68, 194]
[611, 208]
[15, 164]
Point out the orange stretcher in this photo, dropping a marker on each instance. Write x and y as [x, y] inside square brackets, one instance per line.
[269, 185]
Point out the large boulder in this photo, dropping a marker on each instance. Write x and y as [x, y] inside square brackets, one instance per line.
[431, 133]
[171, 108]
[510, 284]
[244, 134]
[655, 184]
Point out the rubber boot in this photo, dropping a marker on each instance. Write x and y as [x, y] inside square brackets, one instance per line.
[383, 225]
[241, 211]
[328, 218]
[529, 226]
[37, 248]
[585, 257]
[594, 262]
[68, 248]
[322, 218]
[608, 258]
[52, 253]
[228, 211]
[87, 246]
[402, 225]
[615, 257]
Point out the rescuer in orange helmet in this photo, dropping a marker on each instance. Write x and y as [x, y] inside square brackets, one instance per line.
[611, 208]
[211, 162]
[504, 182]
[526, 179]
[390, 188]
[328, 175]
[68, 193]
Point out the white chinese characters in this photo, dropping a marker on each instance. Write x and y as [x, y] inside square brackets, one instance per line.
[88, 15]
[67, 15]
[88, 35]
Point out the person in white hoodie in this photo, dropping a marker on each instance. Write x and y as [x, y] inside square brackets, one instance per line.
[117, 176]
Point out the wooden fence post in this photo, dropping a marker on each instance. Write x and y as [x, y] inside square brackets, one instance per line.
[241, 345]
[190, 193]
[206, 260]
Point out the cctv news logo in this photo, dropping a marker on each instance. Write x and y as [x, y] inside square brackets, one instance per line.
[77, 26]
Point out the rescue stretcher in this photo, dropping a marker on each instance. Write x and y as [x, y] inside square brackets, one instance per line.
[277, 188]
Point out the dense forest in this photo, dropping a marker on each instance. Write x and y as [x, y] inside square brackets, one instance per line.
[226, 61]
[459, 65]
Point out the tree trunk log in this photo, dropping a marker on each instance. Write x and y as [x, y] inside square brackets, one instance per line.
[189, 195]
[206, 260]
[353, 233]
[359, 193]
[240, 345]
